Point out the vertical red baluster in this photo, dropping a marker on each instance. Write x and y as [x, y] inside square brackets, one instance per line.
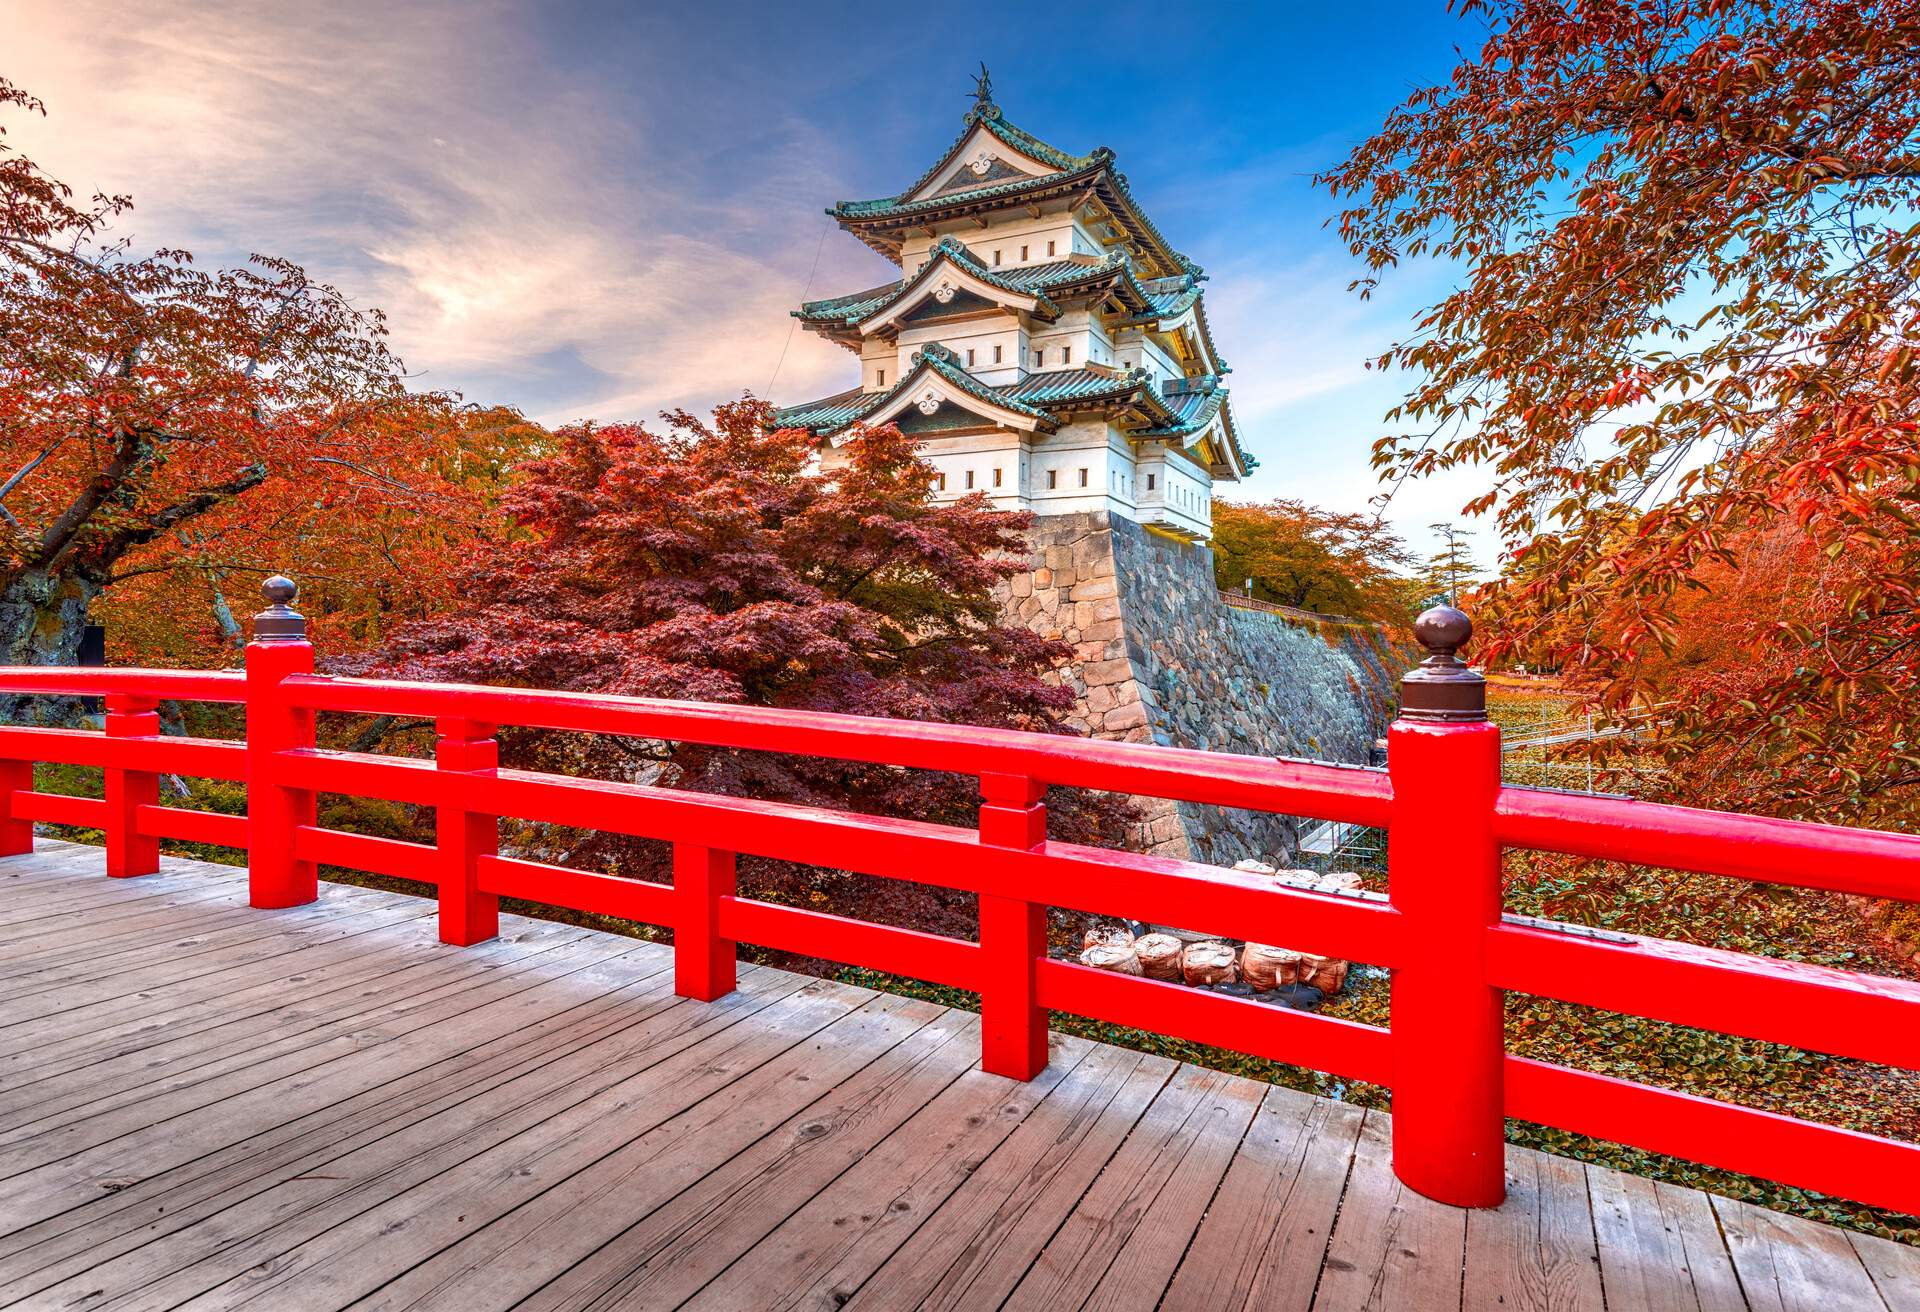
[467, 915]
[1013, 935]
[703, 961]
[16, 835]
[129, 852]
[1443, 868]
[279, 648]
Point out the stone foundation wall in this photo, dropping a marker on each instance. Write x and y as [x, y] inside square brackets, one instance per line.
[1159, 658]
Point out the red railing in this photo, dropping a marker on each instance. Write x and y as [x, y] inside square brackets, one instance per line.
[1441, 930]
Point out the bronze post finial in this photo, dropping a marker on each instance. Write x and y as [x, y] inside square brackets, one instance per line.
[279, 622]
[1442, 689]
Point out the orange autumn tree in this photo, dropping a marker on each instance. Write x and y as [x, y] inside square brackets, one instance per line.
[362, 567]
[1681, 342]
[152, 411]
[1319, 560]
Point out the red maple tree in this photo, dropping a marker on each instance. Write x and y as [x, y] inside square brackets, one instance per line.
[717, 562]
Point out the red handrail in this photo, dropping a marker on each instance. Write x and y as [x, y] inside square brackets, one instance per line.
[1442, 930]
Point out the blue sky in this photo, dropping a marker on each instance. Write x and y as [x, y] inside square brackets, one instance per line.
[601, 210]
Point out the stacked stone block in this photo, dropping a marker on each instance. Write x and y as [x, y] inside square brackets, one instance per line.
[1158, 657]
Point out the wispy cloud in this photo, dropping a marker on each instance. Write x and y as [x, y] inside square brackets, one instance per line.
[526, 237]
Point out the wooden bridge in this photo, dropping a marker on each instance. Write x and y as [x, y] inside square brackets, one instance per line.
[208, 1105]
[221, 1088]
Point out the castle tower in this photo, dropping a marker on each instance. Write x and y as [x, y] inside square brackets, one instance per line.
[1044, 341]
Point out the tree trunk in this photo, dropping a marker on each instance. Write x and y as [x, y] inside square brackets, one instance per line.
[42, 615]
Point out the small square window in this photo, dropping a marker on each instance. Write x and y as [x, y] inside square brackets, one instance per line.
[996, 477]
[1049, 248]
[996, 355]
[1083, 478]
[1053, 478]
[969, 480]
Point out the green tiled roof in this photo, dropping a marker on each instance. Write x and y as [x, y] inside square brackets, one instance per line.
[1027, 280]
[836, 411]
[832, 413]
[1192, 411]
[1182, 413]
[851, 308]
[896, 205]
[1061, 387]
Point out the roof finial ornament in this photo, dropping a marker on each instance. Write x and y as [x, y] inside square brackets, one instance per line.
[983, 106]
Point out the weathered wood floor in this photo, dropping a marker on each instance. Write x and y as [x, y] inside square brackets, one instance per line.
[207, 1106]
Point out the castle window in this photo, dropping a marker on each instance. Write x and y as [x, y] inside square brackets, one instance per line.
[1039, 357]
[996, 355]
[939, 482]
[996, 257]
[882, 378]
[969, 480]
[996, 476]
[1053, 478]
[1149, 482]
[1023, 252]
[1083, 478]
[1066, 355]
[1049, 248]
[969, 357]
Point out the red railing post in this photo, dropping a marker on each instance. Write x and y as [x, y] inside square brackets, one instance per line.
[16, 834]
[1443, 869]
[467, 914]
[275, 877]
[1013, 935]
[703, 961]
[129, 852]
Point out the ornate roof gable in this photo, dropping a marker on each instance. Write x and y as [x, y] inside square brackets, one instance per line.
[989, 151]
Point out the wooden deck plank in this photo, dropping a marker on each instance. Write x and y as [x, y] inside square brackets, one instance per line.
[1391, 1248]
[1786, 1264]
[1660, 1247]
[1895, 1269]
[68, 1041]
[979, 1243]
[206, 1105]
[170, 960]
[697, 1045]
[74, 882]
[989, 1243]
[520, 964]
[482, 1096]
[827, 1248]
[884, 1157]
[1191, 1128]
[336, 1005]
[646, 1225]
[113, 917]
[821, 1026]
[1535, 1251]
[1264, 1237]
[60, 1176]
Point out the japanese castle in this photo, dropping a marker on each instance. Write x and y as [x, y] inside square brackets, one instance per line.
[1044, 341]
